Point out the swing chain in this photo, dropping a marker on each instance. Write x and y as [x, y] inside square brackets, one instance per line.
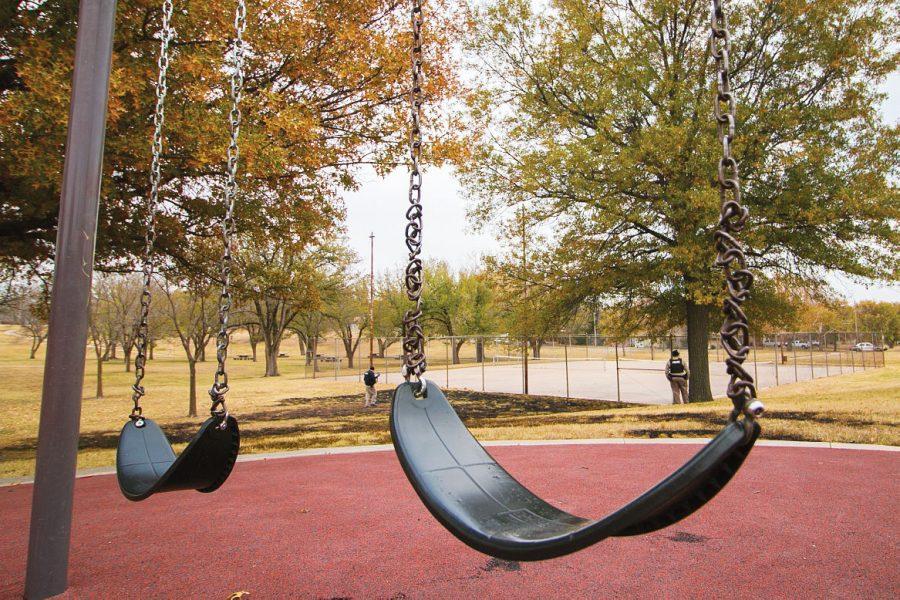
[413, 335]
[220, 386]
[735, 331]
[142, 330]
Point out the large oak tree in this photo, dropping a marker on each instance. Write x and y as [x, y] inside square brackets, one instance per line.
[597, 116]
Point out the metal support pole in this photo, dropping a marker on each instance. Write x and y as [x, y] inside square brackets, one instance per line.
[372, 300]
[386, 369]
[447, 360]
[482, 362]
[812, 371]
[525, 367]
[840, 363]
[57, 446]
[337, 360]
[618, 386]
[794, 352]
[852, 362]
[755, 366]
[566, 357]
[777, 358]
[651, 349]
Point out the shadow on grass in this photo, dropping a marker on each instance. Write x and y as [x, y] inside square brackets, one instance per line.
[331, 421]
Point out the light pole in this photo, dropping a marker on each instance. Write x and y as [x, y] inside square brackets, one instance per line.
[372, 300]
[524, 320]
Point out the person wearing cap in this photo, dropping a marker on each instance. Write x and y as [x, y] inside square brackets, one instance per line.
[677, 373]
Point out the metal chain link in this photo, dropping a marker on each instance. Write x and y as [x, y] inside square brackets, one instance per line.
[142, 337]
[413, 335]
[735, 331]
[220, 385]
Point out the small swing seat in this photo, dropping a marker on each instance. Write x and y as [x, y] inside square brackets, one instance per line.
[146, 463]
[485, 507]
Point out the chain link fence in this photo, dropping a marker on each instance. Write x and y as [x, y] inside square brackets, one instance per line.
[626, 369]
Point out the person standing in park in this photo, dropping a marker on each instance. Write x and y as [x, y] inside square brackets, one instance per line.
[370, 378]
[677, 373]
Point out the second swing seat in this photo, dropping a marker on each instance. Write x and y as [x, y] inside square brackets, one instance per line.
[146, 463]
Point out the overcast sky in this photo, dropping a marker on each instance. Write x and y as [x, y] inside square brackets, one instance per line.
[380, 203]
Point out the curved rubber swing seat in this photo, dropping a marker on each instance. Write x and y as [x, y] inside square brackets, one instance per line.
[146, 463]
[485, 507]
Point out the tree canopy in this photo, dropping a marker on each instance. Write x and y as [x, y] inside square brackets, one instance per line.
[597, 116]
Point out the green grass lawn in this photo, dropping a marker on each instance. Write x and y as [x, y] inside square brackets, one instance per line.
[295, 411]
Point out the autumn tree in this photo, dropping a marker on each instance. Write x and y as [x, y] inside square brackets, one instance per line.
[309, 326]
[282, 278]
[103, 329]
[30, 309]
[595, 116]
[191, 306]
[347, 311]
[325, 92]
[391, 305]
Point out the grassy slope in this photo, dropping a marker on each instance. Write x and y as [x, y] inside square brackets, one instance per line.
[293, 411]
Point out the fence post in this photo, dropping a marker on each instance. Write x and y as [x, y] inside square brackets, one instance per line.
[566, 357]
[447, 360]
[618, 387]
[812, 371]
[777, 358]
[755, 366]
[483, 356]
[794, 352]
[852, 361]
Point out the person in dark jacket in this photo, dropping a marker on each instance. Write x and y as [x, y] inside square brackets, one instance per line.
[677, 373]
[370, 378]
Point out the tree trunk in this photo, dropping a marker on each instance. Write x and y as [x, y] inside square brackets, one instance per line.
[350, 352]
[112, 352]
[35, 344]
[536, 345]
[99, 393]
[457, 346]
[698, 352]
[253, 343]
[302, 344]
[201, 351]
[128, 358]
[152, 345]
[479, 350]
[272, 358]
[192, 398]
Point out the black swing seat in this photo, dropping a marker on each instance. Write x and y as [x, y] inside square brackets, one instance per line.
[485, 507]
[146, 463]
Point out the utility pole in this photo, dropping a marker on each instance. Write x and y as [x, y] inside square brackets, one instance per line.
[372, 300]
[57, 446]
[525, 319]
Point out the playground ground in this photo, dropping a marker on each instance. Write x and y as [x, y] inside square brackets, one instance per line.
[810, 522]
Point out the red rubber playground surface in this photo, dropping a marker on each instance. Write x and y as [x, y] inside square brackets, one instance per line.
[795, 522]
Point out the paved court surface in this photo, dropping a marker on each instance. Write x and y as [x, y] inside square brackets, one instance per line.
[640, 381]
[795, 523]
